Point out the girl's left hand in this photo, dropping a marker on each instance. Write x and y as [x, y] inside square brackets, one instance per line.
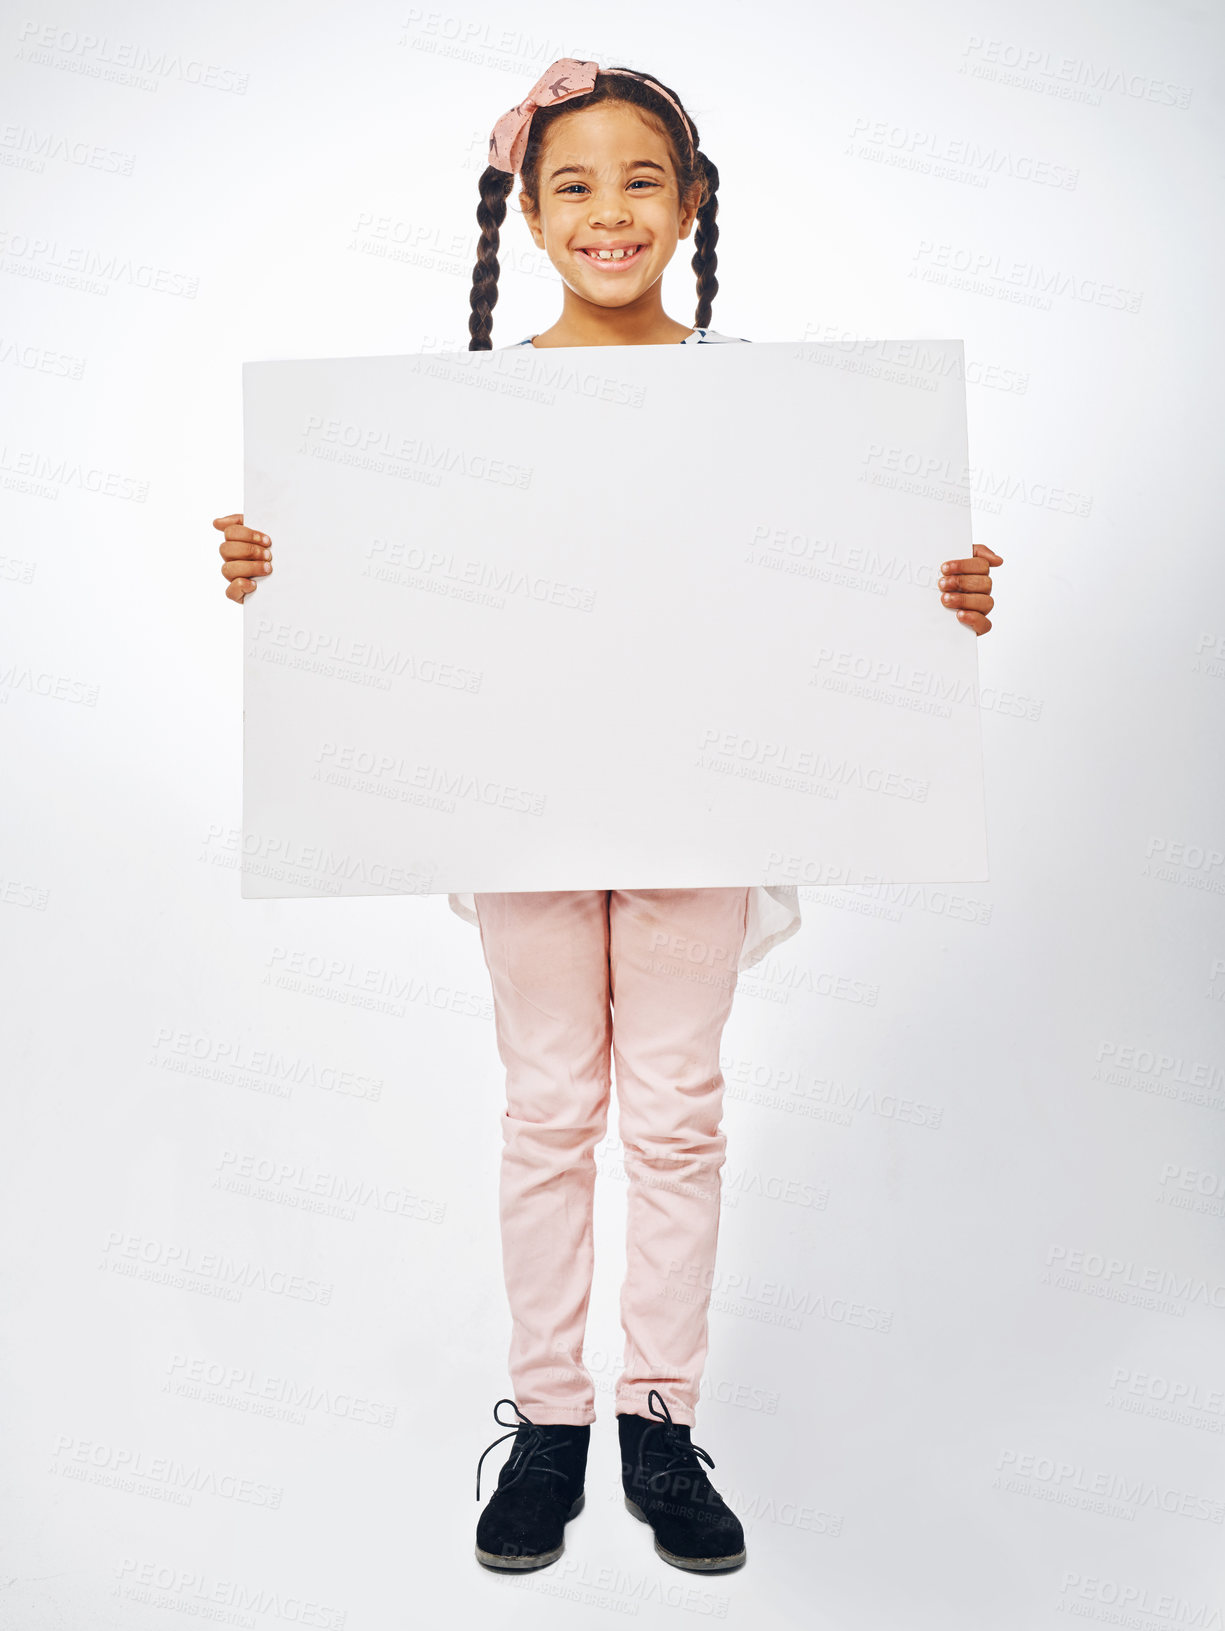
[964, 586]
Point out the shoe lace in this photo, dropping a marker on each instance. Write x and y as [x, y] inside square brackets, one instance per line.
[682, 1455]
[531, 1452]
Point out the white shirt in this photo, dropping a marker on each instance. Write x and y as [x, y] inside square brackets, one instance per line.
[774, 909]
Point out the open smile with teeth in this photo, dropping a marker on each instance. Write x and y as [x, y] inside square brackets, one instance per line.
[613, 257]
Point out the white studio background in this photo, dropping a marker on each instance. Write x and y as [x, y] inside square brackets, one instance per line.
[968, 1330]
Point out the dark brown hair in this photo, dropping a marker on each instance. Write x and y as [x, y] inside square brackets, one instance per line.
[612, 85]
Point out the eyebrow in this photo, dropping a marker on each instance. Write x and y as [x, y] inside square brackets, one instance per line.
[630, 164]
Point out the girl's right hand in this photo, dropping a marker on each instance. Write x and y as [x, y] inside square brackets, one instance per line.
[241, 546]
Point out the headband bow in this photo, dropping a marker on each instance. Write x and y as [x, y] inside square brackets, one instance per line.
[561, 79]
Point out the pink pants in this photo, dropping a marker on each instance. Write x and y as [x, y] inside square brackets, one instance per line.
[665, 959]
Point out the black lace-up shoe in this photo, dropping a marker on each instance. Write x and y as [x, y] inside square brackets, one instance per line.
[540, 1489]
[667, 1488]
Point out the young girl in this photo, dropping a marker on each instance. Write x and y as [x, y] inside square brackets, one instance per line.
[611, 179]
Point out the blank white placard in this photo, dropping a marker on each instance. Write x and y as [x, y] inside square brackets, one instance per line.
[609, 617]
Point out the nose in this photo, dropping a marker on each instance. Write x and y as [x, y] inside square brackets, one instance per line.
[609, 207]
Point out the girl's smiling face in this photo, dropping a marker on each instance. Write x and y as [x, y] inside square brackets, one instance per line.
[608, 182]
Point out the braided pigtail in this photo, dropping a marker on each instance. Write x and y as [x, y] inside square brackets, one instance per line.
[705, 237]
[496, 188]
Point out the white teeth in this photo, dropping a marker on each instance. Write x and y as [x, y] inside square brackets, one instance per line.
[611, 254]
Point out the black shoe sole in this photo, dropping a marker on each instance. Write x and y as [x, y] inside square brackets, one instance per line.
[537, 1560]
[696, 1565]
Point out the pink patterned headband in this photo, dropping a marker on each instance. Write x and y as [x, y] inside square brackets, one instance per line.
[561, 79]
